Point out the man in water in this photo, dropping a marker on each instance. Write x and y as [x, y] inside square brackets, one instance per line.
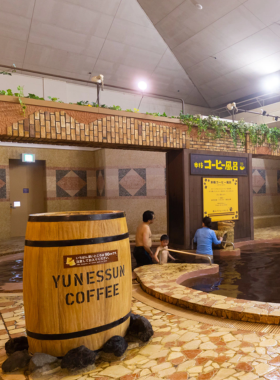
[205, 237]
[143, 240]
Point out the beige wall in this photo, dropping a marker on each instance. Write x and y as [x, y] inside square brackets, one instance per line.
[5, 220]
[132, 192]
[66, 160]
[133, 181]
[128, 180]
[53, 157]
[266, 187]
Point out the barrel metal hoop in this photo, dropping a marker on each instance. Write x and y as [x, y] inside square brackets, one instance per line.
[78, 334]
[74, 242]
[75, 218]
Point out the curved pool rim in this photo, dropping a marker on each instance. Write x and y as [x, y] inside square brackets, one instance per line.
[163, 282]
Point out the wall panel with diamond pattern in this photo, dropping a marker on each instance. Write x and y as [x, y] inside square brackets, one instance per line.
[71, 183]
[132, 182]
[259, 181]
[3, 185]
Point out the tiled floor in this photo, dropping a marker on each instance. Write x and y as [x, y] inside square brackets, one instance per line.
[180, 349]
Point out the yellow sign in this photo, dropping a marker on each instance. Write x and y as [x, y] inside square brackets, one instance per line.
[220, 198]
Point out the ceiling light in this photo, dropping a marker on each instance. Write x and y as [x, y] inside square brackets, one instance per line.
[272, 83]
[142, 85]
[195, 3]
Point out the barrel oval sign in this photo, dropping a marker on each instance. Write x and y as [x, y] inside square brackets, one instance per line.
[88, 259]
[90, 277]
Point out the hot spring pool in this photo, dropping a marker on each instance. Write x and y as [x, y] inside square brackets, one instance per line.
[255, 275]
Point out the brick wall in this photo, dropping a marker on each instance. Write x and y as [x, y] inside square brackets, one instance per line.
[77, 125]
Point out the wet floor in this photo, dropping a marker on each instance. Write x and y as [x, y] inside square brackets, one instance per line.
[11, 273]
[255, 275]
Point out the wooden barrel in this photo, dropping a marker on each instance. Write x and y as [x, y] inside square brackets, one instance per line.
[221, 234]
[77, 282]
[229, 227]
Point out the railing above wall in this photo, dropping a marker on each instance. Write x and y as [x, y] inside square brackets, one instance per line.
[94, 110]
[149, 94]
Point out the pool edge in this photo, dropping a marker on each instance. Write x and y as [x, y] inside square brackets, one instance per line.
[215, 305]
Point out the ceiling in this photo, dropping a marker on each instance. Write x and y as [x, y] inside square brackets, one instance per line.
[227, 48]
[208, 57]
[82, 38]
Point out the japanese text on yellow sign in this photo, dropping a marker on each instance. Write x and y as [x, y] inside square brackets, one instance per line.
[218, 165]
[220, 198]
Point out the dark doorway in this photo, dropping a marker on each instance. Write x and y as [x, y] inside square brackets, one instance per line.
[27, 186]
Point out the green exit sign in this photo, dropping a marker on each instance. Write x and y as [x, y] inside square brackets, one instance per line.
[28, 157]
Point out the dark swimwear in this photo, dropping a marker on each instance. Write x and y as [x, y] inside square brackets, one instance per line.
[142, 257]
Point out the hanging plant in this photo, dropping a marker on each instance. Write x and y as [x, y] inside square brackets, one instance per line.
[20, 95]
[217, 128]
[9, 72]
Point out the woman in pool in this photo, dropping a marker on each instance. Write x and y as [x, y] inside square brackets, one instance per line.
[205, 237]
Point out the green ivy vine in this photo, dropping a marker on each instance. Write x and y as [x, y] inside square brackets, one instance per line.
[217, 128]
[19, 94]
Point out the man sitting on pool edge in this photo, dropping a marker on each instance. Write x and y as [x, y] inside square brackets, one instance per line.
[205, 237]
[143, 240]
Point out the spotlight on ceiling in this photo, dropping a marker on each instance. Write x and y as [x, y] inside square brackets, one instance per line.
[276, 118]
[232, 106]
[142, 85]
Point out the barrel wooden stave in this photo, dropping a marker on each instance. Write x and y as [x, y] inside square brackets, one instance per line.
[74, 230]
[45, 306]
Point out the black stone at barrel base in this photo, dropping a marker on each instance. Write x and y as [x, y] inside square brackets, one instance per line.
[18, 360]
[116, 345]
[139, 328]
[16, 344]
[78, 358]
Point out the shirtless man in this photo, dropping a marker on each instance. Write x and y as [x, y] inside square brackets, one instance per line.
[142, 251]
